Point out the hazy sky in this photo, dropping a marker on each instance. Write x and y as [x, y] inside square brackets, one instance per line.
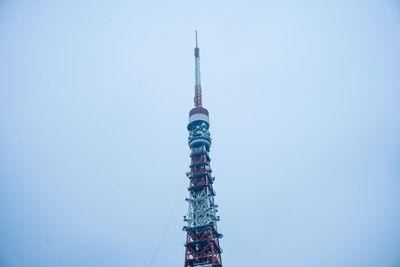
[305, 119]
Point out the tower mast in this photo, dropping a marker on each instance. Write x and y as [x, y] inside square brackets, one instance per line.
[197, 80]
[202, 247]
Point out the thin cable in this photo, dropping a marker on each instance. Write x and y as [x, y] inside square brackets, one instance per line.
[166, 226]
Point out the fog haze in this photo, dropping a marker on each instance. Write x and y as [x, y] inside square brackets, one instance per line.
[304, 110]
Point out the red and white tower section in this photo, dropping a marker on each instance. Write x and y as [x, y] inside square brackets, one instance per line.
[202, 247]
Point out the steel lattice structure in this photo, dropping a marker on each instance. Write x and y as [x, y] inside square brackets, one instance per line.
[202, 238]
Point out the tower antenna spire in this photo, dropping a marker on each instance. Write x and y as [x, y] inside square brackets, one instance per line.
[197, 81]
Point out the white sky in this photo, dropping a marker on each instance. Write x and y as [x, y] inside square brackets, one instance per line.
[304, 107]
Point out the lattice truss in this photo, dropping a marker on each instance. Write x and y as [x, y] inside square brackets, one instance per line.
[202, 241]
[202, 208]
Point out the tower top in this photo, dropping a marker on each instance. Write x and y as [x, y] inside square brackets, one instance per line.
[198, 113]
[197, 80]
[196, 38]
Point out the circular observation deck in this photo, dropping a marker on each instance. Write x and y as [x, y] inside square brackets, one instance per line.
[198, 128]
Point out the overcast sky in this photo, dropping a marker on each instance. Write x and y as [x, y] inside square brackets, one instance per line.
[305, 119]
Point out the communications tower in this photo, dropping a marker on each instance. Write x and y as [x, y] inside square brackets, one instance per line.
[202, 247]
